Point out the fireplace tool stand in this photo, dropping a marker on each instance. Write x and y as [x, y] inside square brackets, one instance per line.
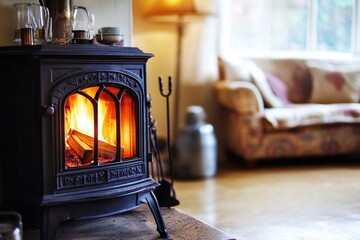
[165, 192]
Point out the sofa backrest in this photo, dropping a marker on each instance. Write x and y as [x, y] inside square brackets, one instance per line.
[299, 80]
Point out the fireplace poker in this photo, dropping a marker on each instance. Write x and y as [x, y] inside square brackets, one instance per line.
[154, 144]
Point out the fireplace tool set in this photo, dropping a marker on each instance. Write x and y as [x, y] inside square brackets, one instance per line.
[165, 192]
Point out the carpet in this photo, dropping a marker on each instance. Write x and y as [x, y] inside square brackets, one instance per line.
[138, 224]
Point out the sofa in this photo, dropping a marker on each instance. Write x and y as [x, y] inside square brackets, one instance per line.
[282, 108]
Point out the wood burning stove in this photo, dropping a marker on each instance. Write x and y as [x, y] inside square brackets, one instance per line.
[74, 133]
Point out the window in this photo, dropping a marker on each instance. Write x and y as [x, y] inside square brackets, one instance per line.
[271, 26]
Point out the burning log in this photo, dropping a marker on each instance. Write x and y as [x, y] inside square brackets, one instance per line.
[83, 150]
[104, 149]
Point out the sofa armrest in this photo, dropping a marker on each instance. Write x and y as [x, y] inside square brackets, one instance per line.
[239, 96]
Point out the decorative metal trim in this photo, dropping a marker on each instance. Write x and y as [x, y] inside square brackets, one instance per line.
[136, 71]
[92, 78]
[99, 176]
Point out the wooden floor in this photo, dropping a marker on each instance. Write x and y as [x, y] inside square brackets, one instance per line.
[285, 201]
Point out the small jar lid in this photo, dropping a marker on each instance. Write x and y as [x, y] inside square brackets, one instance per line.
[195, 114]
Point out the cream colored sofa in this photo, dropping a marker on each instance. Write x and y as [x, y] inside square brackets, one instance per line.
[273, 108]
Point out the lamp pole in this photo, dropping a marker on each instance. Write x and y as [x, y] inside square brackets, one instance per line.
[180, 29]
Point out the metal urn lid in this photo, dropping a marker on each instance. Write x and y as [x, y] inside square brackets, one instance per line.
[195, 114]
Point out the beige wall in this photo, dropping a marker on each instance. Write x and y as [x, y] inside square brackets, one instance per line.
[107, 13]
[158, 39]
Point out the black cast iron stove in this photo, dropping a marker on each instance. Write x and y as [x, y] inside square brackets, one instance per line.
[74, 133]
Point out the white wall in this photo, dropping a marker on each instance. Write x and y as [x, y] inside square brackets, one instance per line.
[107, 13]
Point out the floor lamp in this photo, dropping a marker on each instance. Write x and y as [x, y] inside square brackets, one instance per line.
[178, 12]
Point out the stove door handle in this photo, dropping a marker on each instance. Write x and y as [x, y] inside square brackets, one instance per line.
[48, 110]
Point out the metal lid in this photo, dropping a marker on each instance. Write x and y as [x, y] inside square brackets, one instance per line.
[195, 114]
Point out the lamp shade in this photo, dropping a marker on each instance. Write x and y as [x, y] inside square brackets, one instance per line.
[178, 8]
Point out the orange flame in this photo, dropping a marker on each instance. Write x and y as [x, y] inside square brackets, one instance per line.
[79, 115]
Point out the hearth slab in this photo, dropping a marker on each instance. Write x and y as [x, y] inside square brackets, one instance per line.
[136, 224]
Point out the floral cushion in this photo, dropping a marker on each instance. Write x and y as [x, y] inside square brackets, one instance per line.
[335, 84]
[260, 80]
[294, 73]
[279, 88]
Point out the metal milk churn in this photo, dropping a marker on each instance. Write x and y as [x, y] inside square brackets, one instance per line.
[196, 147]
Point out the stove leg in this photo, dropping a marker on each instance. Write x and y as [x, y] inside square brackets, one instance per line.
[50, 223]
[155, 209]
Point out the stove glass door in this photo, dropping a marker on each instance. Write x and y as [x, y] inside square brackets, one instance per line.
[100, 126]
